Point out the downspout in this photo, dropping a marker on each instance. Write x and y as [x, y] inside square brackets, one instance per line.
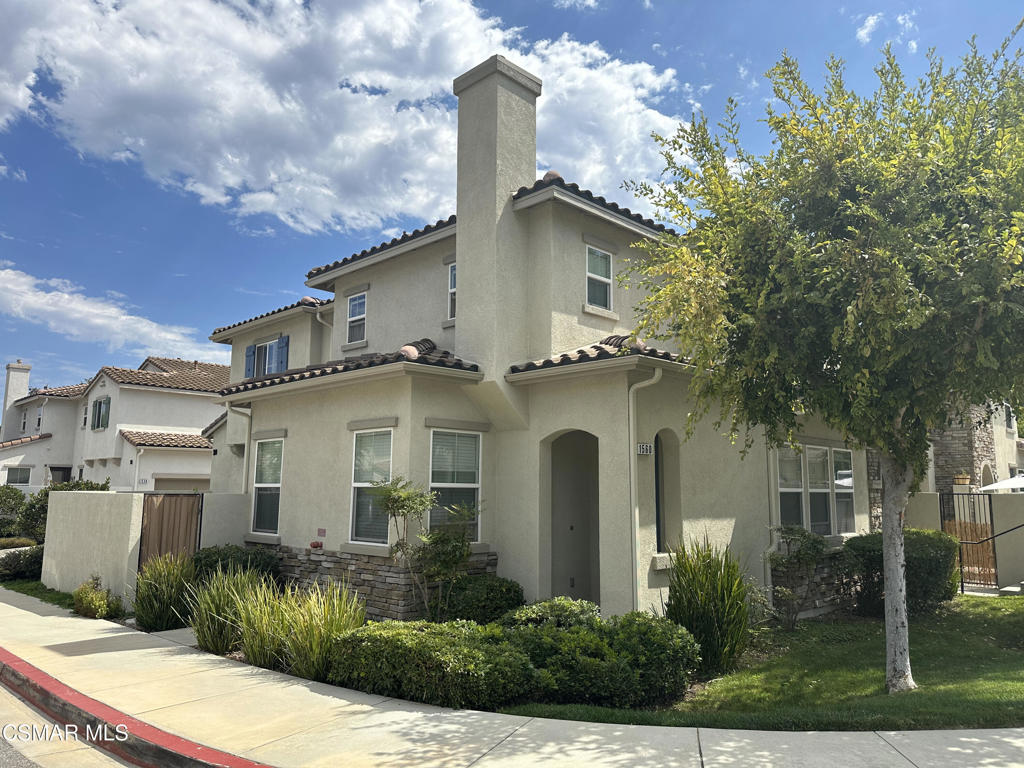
[634, 493]
[138, 461]
[320, 320]
[248, 439]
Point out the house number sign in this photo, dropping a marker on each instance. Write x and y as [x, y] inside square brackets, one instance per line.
[645, 449]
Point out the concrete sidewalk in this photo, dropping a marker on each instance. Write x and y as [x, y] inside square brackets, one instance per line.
[278, 720]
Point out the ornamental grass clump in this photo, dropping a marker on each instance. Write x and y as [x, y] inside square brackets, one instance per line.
[708, 595]
[212, 608]
[262, 622]
[161, 592]
[314, 618]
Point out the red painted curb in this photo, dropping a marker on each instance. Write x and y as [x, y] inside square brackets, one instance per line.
[29, 682]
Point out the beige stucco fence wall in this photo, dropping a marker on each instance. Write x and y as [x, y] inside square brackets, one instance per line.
[225, 519]
[93, 532]
[1007, 512]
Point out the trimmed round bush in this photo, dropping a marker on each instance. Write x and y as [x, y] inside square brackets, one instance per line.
[452, 664]
[661, 654]
[931, 573]
[483, 598]
[231, 557]
[557, 612]
[95, 602]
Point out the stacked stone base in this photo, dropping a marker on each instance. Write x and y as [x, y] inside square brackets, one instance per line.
[825, 590]
[386, 588]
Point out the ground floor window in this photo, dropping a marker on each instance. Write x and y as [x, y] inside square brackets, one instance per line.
[455, 476]
[371, 463]
[18, 475]
[267, 486]
[816, 489]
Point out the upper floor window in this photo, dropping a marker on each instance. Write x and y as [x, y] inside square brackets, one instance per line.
[18, 475]
[371, 463]
[816, 489]
[267, 486]
[24, 420]
[85, 416]
[356, 318]
[39, 418]
[451, 291]
[455, 476]
[101, 413]
[599, 278]
[266, 357]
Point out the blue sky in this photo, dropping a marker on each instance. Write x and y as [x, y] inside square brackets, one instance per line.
[169, 168]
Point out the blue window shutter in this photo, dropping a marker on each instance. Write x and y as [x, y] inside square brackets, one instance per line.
[281, 364]
[250, 361]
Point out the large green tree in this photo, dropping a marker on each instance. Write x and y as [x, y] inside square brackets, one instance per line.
[866, 269]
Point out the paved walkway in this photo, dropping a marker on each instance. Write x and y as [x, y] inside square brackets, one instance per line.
[283, 721]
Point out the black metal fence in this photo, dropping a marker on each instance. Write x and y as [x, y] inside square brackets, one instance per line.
[968, 516]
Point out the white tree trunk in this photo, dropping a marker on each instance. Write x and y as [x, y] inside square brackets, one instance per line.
[896, 480]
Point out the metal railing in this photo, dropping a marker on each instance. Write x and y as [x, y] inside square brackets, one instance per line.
[980, 541]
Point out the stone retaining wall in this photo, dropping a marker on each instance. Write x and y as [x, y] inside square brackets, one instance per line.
[825, 593]
[387, 589]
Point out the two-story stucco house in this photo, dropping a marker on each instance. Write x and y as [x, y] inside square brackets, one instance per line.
[141, 427]
[486, 357]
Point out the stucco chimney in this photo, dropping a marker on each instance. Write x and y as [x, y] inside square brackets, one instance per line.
[497, 154]
[15, 387]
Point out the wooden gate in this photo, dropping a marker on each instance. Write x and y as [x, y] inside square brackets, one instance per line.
[968, 516]
[170, 523]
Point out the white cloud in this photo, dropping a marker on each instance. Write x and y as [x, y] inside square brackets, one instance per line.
[61, 306]
[912, 46]
[327, 116]
[579, 4]
[18, 174]
[866, 29]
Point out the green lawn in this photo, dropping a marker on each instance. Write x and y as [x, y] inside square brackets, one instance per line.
[37, 590]
[829, 675]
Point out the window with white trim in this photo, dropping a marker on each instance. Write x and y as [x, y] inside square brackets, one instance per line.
[24, 420]
[19, 475]
[599, 278]
[816, 489]
[101, 413]
[39, 418]
[266, 358]
[85, 416]
[266, 503]
[455, 476]
[451, 291]
[356, 318]
[371, 463]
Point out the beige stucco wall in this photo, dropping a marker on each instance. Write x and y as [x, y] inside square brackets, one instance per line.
[923, 512]
[1004, 437]
[92, 532]
[226, 518]
[1008, 512]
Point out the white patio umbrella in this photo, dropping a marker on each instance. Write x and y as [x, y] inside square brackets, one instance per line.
[1005, 485]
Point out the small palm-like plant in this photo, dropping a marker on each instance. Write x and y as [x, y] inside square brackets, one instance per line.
[708, 596]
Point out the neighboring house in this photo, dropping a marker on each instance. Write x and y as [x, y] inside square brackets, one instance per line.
[985, 446]
[514, 389]
[139, 427]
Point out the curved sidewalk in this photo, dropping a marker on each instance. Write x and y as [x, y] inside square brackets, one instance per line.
[268, 718]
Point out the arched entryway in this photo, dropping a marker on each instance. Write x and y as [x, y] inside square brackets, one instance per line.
[575, 542]
[987, 477]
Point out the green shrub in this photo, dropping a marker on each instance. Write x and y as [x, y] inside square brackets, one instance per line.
[454, 664]
[231, 557]
[95, 602]
[661, 655]
[16, 542]
[262, 622]
[32, 515]
[557, 612]
[211, 608]
[931, 573]
[11, 502]
[482, 598]
[708, 595]
[23, 564]
[161, 592]
[314, 618]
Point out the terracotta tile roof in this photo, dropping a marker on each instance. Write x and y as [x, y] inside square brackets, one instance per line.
[422, 352]
[24, 440]
[72, 390]
[210, 377]
[177, 365]
[554, 180]
[164, 439]
[305, 301]
[607, 348]
[405, 238]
